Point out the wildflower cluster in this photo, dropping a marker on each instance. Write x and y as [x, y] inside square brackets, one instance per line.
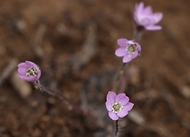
[117, 106]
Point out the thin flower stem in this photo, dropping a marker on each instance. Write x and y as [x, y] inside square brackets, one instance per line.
[62, 97]
[123, 83]
[138, 32]
[118, 78]
[116, 128]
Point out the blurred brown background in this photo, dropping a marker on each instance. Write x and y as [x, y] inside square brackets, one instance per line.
[73, 42]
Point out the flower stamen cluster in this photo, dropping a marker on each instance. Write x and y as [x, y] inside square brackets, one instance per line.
[131, 49]
[31, 72]
[116, 107]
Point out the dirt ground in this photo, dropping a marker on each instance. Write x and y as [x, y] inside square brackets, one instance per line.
[73, 42]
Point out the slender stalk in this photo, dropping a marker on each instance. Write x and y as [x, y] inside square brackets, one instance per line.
[62, 97]
[138, 32]
[118, 78]
[123, 83]
[116, 128]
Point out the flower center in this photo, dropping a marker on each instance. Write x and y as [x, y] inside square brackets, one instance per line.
[131, 49]
[31, 72]
[116, 107]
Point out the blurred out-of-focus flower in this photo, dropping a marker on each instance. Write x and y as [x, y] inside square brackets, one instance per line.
[29, 71]
[118, 106]
[128, 49]
[144, 17]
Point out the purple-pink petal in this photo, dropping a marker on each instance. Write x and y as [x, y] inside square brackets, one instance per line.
[111, 97]
[130, 42]
[145, 21]
[122, 42]
[127, 59]
[128, 106]
[148, 10]
[139, 8]
[108, 105]
[122, 98]
[39, 75]
[22, 70]
[153, 28]
[138, 47]
[158, 16]
[113, 115]
[120, 52]
[135, 54]
[123, 112]
[23, 64]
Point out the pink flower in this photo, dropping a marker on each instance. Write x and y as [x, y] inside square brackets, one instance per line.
[29, 71]
[118, 106]
[143, 16]
[128, 49]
